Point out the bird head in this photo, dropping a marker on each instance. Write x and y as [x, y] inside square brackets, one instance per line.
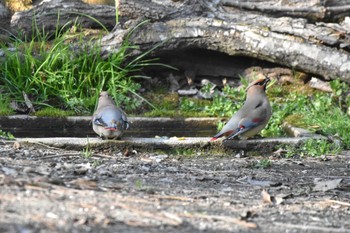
[259, 84]
[105, 99]
[104, 94]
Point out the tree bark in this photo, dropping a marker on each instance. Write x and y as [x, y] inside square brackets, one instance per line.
[238, 28]
[51, 16]
[331, 11]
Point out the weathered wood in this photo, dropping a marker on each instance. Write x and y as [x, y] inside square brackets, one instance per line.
[48, 16]
[286, 41]
[316, 10]
[319, 48]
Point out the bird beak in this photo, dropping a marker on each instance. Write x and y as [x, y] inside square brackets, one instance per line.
[266, 81]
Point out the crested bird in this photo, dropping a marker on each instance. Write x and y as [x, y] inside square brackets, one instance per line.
[109, 121]
[252, 117]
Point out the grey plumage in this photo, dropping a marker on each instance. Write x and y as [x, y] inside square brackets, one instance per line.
[109, 121]
[252, 117]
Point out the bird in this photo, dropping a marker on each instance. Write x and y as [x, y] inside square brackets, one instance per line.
[252, 117]
[109, 121]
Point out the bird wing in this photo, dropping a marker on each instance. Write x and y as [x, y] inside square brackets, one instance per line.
[97, 120]
[244, 125]
[112, 118]
[106, 117]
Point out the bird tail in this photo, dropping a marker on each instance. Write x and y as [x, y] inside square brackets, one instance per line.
[236, 132]
[219, 135]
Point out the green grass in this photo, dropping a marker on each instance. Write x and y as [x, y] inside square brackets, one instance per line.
[87, 151]
[5, 109]
[61, 79]
[313, 148]
[261, 164]
[56, 73]
[317, 111]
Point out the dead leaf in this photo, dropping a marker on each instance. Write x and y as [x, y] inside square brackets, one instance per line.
[83, 184]
[267, 198]
[28, 102]
[16, 145]
[280, 151]
[326, 185]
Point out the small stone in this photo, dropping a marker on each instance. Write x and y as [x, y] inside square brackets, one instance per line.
[26, 153]
[193, 91]
[320, 85]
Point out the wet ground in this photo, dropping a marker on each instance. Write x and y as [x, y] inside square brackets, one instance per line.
[46, 189]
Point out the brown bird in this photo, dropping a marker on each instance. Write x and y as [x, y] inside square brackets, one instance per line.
[252, 117]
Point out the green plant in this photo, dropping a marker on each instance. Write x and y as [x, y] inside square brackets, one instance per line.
[262, 164]
[185, 152]
[5, 109]
[312, 147]
[341, 94]
[55, 73]
[87, 151]
[117, 3]
[138, 184]
[226, 104]
[6, 135]
[96, 163]
[195, 107]
[316, 148]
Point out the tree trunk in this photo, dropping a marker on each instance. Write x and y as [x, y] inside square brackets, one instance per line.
[305, 40]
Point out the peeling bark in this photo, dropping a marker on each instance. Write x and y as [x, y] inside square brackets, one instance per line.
[316, 10]
[236, 28]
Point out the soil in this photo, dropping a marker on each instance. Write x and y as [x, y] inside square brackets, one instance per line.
[46, 189]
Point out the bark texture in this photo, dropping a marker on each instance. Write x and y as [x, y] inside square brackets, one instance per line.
[312, 36]
[51, 15]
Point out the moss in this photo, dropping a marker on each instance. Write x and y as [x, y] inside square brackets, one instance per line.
[171, 105]
[162, 113]
[53, 112]
[6, 112]
[174, 113]
[164, 101]
[297, 120]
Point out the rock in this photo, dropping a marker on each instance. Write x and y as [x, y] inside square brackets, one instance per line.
[320, 85]
[174, 82]
[296, 131]
[193, 91]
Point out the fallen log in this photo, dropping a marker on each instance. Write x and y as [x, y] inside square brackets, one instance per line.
[318, 48]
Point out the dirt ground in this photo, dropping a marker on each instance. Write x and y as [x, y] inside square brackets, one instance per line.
[44, 189]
